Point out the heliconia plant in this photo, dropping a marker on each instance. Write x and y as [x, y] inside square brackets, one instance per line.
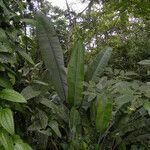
[52, 54]
[70, 86]
[76, 74]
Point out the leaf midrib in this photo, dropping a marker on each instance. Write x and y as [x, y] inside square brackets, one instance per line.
[61, 80]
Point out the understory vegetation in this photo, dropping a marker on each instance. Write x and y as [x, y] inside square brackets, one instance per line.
[74, 80]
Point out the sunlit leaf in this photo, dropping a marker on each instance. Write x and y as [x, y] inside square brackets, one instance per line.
[145, 62]
[6, 140]
[103, 113]
[22, 146]
[29, 21]
[11, 95]
[6, 120]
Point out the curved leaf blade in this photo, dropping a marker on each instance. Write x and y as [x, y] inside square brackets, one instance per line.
[6, 120]
[74, 121]
[97, 66]
[76, 75]
[51, 53]
[103, 114]
[22, 146]
[11, 95]
[54, 126]
[6, 140]
[19, 144]
[145, 62]
[26, 57]
[29, 92]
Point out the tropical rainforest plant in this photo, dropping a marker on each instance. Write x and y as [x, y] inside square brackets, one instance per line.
[87, 111]
[11, 100]
[63, 87]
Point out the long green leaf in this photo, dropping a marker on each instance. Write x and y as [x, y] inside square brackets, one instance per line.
[97, 66]
[54, 126]
[29, 21]
[52, 53]
[29, 92]
[103, 114]
[26, 57]
[22, 146]
[74, 121]
[11, 95]
[6, 120]
[145, 62]
[6, 140]
[76, 75]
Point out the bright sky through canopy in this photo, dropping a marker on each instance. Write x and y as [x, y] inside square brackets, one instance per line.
[74, 4]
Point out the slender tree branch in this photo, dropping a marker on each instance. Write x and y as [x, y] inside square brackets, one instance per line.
[69, 12]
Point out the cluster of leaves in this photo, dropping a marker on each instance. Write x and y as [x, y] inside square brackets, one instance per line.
[86, 105]
[122, 25]
[89, 112]
[12, 52]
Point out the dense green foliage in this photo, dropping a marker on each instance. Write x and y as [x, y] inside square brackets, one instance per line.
[74, 81]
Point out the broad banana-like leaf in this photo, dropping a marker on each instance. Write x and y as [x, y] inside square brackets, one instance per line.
[103, 114]
[74, 121]
[51, 53]
[97, 66]
[76, 74]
